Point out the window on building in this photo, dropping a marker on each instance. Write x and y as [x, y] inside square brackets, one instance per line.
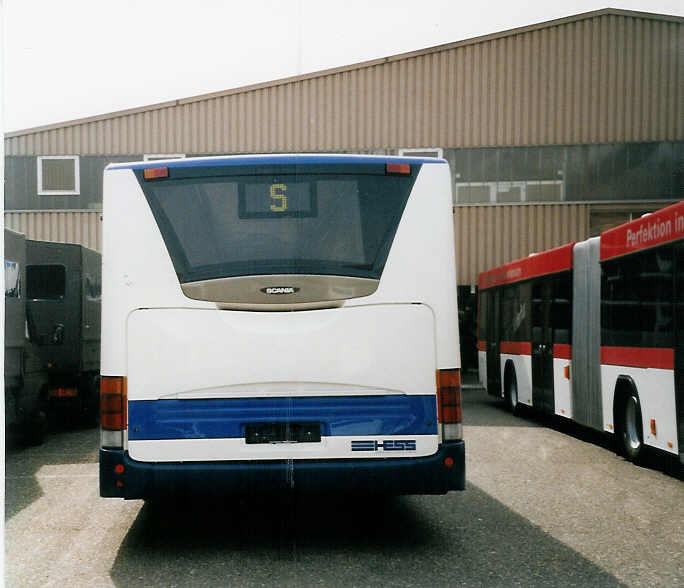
[572, 173]
[518, 191]
[422, 152]
[508, 191]
[473, 192]
[58, 175]
[156, 156]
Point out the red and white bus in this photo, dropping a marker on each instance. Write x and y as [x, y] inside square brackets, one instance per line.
[594, 332]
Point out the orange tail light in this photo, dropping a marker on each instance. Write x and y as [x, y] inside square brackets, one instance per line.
[155, 173]
[449, 396]
[113, 403]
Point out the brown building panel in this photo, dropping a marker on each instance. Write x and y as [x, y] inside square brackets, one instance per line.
[64, 226]
[606, 76]
[490, 235]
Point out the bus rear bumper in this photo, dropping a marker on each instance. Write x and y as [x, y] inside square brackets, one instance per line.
[422, 475]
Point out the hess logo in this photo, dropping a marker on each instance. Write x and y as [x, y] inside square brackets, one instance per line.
[279, 290]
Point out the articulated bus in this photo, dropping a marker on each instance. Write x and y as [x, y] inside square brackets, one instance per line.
[594, 332]
[279, 323]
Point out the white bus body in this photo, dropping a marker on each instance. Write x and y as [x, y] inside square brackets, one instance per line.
[275, 322]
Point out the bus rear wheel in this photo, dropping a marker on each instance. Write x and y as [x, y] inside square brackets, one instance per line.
[511, 393]
[631, 430]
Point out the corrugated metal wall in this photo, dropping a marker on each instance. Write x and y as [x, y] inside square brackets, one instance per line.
[489, 235]
[67, 226]
[608, 77]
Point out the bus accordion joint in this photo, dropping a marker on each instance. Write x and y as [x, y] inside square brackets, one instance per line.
[156, 173]
[113, 412]
[449, 414]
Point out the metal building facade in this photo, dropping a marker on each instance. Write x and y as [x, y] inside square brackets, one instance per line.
[607, 76]
[65, 226]
[487, 236]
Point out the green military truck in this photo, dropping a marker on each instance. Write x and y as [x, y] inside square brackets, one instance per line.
[63, 285]
[26, 382]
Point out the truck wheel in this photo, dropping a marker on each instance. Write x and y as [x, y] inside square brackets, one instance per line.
[631, 430]
[35, 428]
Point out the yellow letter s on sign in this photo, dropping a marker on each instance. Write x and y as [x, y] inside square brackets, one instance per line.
[278, 198]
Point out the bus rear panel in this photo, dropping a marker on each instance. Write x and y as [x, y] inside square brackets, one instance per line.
[277, 323]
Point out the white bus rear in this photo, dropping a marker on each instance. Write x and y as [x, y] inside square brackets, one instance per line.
[280, 322]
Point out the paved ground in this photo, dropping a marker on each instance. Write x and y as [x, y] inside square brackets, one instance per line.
[543, 507]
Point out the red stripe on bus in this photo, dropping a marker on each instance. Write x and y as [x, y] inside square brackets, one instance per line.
[481, 346]
[516, 347]
[562, 351]
[642, 357]
[648, 231]
[538, 264]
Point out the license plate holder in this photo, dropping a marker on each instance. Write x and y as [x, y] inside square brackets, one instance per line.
[260, 433]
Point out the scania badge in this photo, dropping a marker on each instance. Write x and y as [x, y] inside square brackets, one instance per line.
[280, 290]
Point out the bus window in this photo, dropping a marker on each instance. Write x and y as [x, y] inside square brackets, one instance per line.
[332, 223]
[561, 309]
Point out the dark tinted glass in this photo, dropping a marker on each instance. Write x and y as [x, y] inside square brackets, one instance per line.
[12, 279]
[45, 282]
[542, 292]
[246, 222]
[516, 312]
[561, 308]
[508, 307]
[636, 300]
[539, 302]
[482, 316]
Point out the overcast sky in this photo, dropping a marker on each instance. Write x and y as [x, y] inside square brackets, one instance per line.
[66, 59]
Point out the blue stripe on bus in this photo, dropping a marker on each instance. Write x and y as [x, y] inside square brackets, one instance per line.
[276, 160]
[220, 418]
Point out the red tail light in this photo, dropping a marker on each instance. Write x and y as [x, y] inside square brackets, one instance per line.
[449, 404]
[449, 396]
[113, 403]
[63, 392]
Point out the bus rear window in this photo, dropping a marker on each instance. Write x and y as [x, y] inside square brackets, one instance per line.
[45, 282]
[237, 222]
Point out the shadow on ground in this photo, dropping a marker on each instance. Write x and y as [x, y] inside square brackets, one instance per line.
[64, 444]
[464, 538]
[483, 410]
